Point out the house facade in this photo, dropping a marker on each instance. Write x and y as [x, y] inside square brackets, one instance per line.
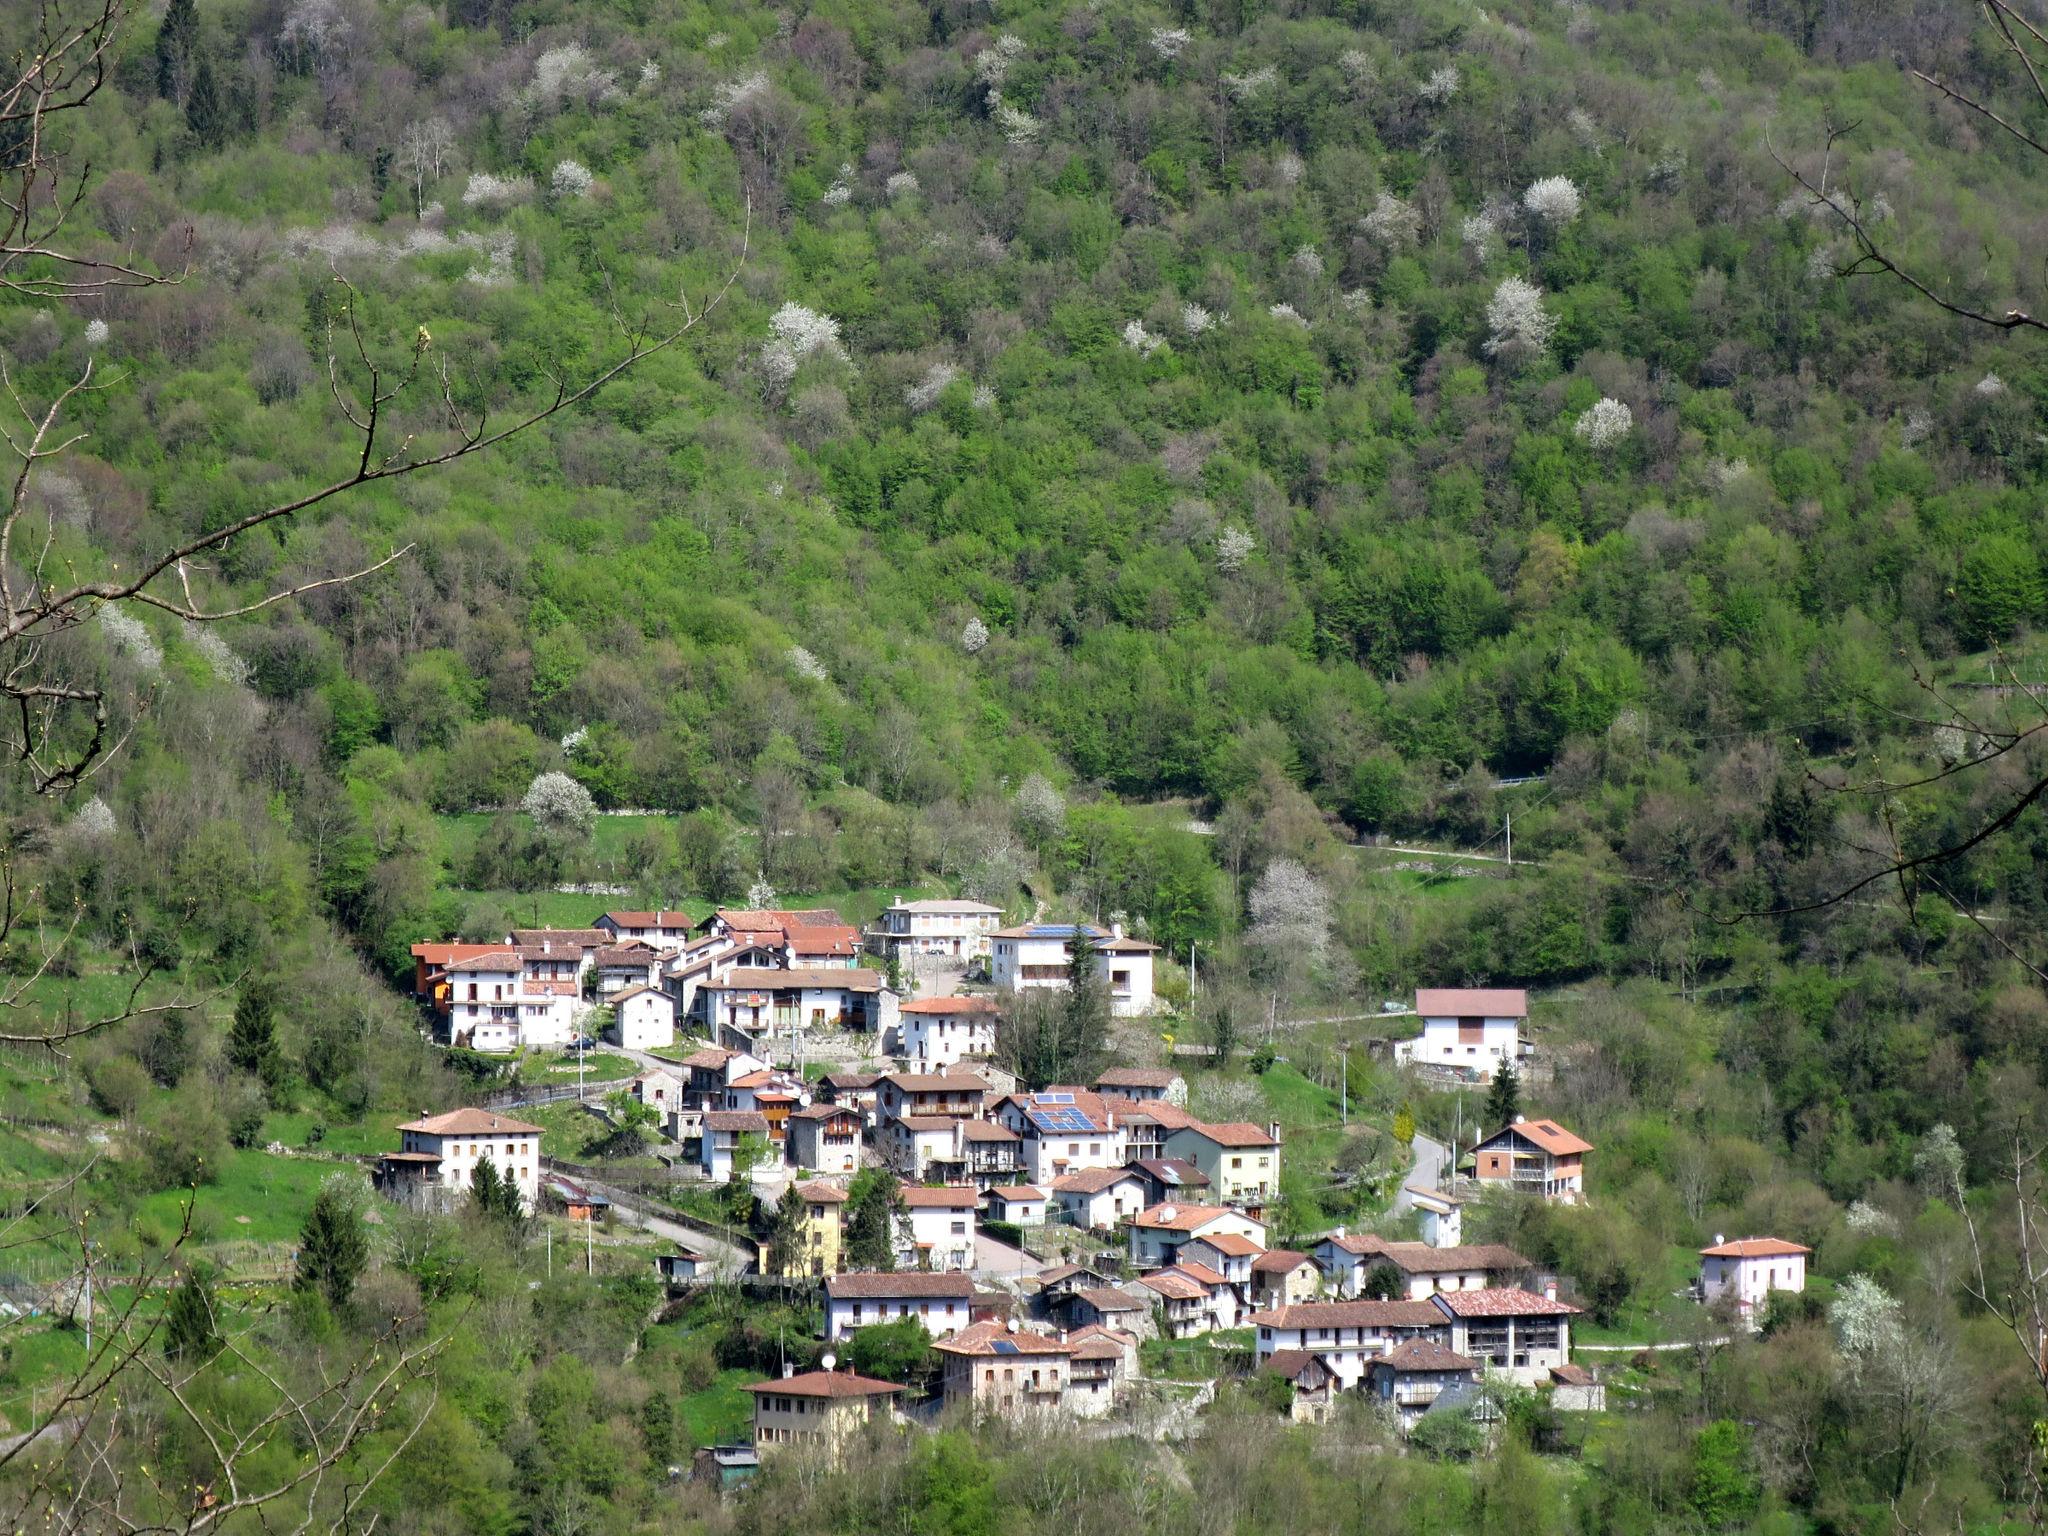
[761, 1001]
[824, 1226]
[957, 1094]
[994, 1368]
[932, 1033]
[1240, 1160]
[824, 1138]
[1410, 1377]
[1348, 1335]
[957, 930]
[1749, 1269]
[643, 1019]
[438, 1156]
[1021, 1205]
[942, 1302]
[664, 931]
[1144, 1084]
[819, 1409]
[1347, 1261]
[1156, 1234]
[941, 1228]
[724, 1130]
[1037, 956]
[1537, 1157]
[1098, 1199]
[1518, 1333]
[1282, 1277]
[1473, 1031]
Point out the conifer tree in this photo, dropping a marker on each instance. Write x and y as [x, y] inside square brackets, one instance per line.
[790, 1234]
[333, 1249]
[191, 1336]
[174, 42]
[252, 1039]
[205, 113]
[874, 1207]
[1504, 1098]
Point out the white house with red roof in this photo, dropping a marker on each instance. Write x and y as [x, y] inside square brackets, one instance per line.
[1063, 1131]
[439, 1155]
[1036, 957]
[1473, 1030]
[943, 1302]
[643, 1018]
[954, 929]
[1537, 1157]
[665, 931]
[1518, 1333]
[1749, 1269]
[1098, 1198]
[1156, 1235]
[941, 1227]
[1022, 1205]
[932, 1033]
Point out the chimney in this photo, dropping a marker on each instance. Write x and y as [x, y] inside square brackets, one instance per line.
[1337, 1232]
[788, 1369]
[1116, 931]
[1273, 1130]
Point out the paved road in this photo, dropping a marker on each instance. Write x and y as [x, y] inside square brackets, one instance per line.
[626, 1207]
[999, 1261]
[1432, 1163]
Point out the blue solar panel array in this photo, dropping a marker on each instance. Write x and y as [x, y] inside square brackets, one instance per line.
[1064, 931]
[1062, 1120]
[1005, 1347]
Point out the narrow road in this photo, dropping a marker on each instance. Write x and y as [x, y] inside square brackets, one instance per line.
[999, 1261]
[1432, 1162]
[626, 1207]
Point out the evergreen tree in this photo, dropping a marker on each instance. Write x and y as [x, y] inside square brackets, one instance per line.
[658, 1426]
[205, 113]
[1084, 1017]
[874, 1207]
[790, 1233]
[174, 42]
[1504, 1098]
[333, 1249]
[190, 1333]
[496, 1196]
[252, 1038]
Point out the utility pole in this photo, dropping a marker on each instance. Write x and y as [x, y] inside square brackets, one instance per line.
[1511, 839]
[551, 1250]
[1344, 1081]
[590, 1241]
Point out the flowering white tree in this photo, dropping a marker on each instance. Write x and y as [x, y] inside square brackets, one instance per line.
[1990, 386]
[1307, 259]
[760, 895]
[488, 191]
[1441, 85]
[1287, 312]
[559, 806]
[568, 76]
[902, 184]
[1017, 125]
[1604, 423]
[807, 666]
[993, 64]
[1251, 86]
[1938, 1163]
[1140, 340]
[218, 655]
[1290, 913]
[1041, 809]
[94, 821]
[973, 636]
[96, 334]
[1391, 222]
[1194, 319]
[1170, 42]
[924, 394]
[795, 333]
[571, 179]
[1520, 323]
[1554, 200]
[730, 95]
[840, 193]
[131, 637]
[1233, 547]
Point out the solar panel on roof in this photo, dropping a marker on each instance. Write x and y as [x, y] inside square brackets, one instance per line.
[1055, 1098]
[1004, 1347]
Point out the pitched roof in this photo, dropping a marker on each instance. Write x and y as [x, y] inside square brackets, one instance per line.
[632, 953]
[1569, 1375]
[1184, 1218]
[741, 1120]
[1091, 1181]
[1292, 1362]
[1051, 931]
[1173, 1172]
[1017, 1192]
[1139, 1111]
[470, 1122]
[1424, 1355]
[1360, 1244]
[949, 1005]
[1472, 1003]
[1095, 1342]
[631, 992]
[943, 906]
[853, 1082]
[1504, 1302]
[1547, 1134]
[1127, 946]
[952, 1197]
[1280, 1261]
[771, 919]
[1236, 1133]
[824, 941]
[1421, 1259]
[496, 961]
[822, 1192]
[1174, 1284]
[648, 919]
[999, 1339]
[1234, 1245]
[826, 1384]
[865, 1285]
[935, 1082]
[1107, 1298]
[710, 1056]
[927, 1122]
[556, 938]
[824, 1112]
[1196, 1270]
[985, 1130]
[825, 978]
[1754, 1248]
[1138, 1077]
[442, 954]
[1353, 1314]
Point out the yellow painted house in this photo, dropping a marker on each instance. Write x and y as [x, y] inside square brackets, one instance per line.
[824, 1226]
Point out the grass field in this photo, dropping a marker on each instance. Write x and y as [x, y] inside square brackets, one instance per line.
[721, 1413]
[1198, 1359]
[255, 1198]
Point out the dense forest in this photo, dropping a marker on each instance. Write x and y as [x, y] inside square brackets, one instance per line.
[1215, 465]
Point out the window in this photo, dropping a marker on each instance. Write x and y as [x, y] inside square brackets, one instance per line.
[1237, 1162]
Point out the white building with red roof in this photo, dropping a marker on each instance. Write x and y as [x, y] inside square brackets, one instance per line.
[1241, 1160]
[1749, 1269]
[1536, 1157]
[932, 1033]
[438, 1156]
[953, 929]
[1472, 1030]
[665, 931]
[1156, 1235]
[940, 1231]
[1037, 956]
[643, 1018]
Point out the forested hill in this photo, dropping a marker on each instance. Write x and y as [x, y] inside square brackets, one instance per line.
[1358, 401]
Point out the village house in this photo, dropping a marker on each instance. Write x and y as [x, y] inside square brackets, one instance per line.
[1064, 1130]
[1314, 1380]
[430, 966]
[824, 1225]
[942, 1302]
[1241, 1161]
[1471, 1030]
[1104, 1361]
[724, 1130]
[1146, 1123]
[773, 1095]
[1347, 1261]
[711, 1069]
[1192, 1299]
[621, 967]
[1347, 1334]
[756, 1001]
[941, 1227]
[1443, 1222]
[1144, 1084]
[574, 1201]
[956, 930]
[1021, 1205]
[1537, 1157]
[686, 970]
[1168, 1178]
[821, 949]
[437, 1158]
[986, 1154]
[1156, 1234]
[1038, 956]
[993, 1368]
[1107, 1306]
[643, 1019]
[901, 1094]
[852, 1090]
[932, 1033]
[1098, 1199]
[920, 1147]
[664, 931]
[824, 1138]
[658, 1088]
[1574, 1389]
[1411, 1376]
[765, 925]
[1229, 1254]
[681, 1267]
[819, 1409]
[1518, 1333]
[1748, 1270]
[1281, 1277]
[490, 1008]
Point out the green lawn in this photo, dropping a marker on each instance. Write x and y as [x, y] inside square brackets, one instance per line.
[1196, 1359]
[723, 1413]
[571, 1132]
[1656, 1316]
[365, 1137]
[256, 1198]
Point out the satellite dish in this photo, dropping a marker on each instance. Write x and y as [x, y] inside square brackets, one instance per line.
[828, 1360]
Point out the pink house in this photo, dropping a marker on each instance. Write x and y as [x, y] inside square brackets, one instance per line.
[1750, 1269]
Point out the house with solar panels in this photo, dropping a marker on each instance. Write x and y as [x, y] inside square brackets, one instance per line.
[1036, 957]
[1062, 1131]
